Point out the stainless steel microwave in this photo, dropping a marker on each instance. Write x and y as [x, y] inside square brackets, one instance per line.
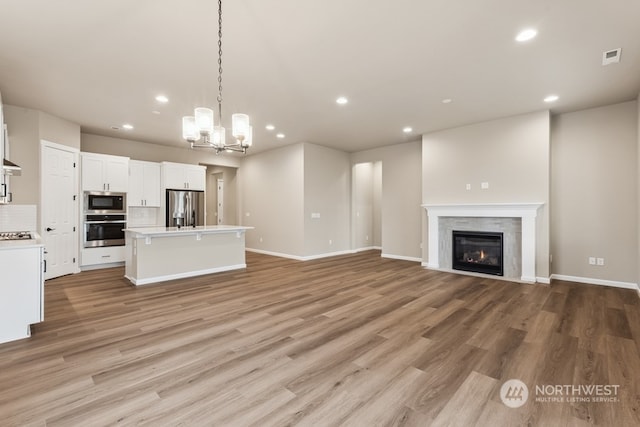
[99, 202]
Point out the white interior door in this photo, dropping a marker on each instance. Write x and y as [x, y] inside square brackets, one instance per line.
[59, 208]
[220, 201]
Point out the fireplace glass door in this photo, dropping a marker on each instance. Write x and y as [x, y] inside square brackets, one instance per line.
[478, 251]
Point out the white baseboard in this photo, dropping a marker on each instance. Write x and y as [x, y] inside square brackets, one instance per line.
[301, 258]
[601, 282]
[401, 257]
[101, 266]
[184, 275]
[544, 280]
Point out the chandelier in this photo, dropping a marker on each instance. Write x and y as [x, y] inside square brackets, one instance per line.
[201, 126]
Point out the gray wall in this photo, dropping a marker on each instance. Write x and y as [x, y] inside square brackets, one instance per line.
[327, 192]
[271, 188]
[511, 154]
[26, 128]
[137, 150]
[400, 198]
[595, 192]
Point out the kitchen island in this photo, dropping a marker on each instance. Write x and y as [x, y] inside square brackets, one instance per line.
[158, 254]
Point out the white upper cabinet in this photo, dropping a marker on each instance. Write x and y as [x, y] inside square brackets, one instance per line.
[101, 172]
[144, 184]
[180, 176]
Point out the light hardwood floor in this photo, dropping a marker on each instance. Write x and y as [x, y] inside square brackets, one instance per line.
[354, 340]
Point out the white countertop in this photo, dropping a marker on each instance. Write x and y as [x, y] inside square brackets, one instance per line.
[174, 231]
[22, 244]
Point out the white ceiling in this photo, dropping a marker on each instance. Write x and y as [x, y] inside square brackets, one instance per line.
[100, 63]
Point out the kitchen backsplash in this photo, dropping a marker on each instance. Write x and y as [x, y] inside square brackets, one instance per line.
[142, 217]
[18, 217]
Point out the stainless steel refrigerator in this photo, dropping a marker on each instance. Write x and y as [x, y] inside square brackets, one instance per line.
[185, 208]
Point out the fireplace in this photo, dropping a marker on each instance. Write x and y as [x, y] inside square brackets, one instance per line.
[478, 251]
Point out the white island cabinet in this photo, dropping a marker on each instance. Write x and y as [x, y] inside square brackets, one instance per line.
[158, 254]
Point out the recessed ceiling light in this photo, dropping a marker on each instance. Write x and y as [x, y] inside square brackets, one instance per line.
[342, 100]
[280, 135]
[155, 112]
[551, 98]
[127, 126]
[163, 99]
[408, 129]
[269, 127]
[526, 35]
[447, 101]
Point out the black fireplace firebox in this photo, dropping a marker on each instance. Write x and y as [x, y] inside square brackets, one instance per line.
[478, 251]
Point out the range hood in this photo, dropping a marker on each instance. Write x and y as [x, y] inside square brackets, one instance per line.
[10, 168]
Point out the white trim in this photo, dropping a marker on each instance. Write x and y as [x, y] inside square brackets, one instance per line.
[544, 280]
[100, 266]
[592, 281]
[367, 248]
[401, 257]
[526, 211]
[184, 275]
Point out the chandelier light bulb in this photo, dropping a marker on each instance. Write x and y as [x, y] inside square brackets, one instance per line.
[204, 120]
[189, 130]
[248, 140]
[240, 126]
[219, 136]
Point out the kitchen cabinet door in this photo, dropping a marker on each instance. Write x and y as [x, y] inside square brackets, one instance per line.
[117, 174]
[195, 176]
[144, 184]
[93, 173]
[180, 176]
[101, 172]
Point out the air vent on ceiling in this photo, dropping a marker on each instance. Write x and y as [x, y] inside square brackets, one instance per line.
[611, 56]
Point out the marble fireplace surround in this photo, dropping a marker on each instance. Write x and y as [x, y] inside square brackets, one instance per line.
[527, 212]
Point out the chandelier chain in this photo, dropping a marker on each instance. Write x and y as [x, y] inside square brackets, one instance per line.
[220, 61]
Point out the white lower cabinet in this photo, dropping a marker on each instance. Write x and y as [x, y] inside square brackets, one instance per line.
[97, 257]
[21, 291]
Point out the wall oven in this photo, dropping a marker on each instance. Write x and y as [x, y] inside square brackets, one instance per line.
[104, 230]
[100, 202]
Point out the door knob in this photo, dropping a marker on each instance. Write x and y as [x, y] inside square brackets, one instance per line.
[50, 229]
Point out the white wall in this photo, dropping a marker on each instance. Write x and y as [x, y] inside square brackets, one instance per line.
[271, 188]
[401, 197]
[595, 192]
[511, 154]
[326, 192]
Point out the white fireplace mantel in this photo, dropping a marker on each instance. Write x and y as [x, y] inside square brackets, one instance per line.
[526, 211]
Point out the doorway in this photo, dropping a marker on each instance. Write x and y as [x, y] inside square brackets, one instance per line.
[367, 206]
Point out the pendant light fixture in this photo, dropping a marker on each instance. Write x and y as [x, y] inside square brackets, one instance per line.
[201, 125]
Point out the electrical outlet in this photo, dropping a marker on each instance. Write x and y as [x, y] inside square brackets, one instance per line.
[468, 186]
[599, 261]
[330, 242]
[592, 260]
[260, 239]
